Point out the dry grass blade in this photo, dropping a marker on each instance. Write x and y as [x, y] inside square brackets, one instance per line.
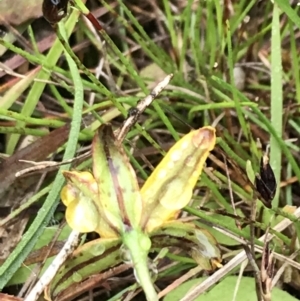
[136, 112]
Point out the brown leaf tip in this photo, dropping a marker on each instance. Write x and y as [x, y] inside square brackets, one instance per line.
[205, 138]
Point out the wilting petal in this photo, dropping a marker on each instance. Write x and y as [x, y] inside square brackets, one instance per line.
[82, 181]
[81, 198]
[170, 186]
[82, 215]
[118, 188]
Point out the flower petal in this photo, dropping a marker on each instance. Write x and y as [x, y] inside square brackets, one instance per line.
[81, 198]
[169, 188]
[82, 215]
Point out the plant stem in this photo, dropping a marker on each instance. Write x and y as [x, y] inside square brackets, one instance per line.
[139, 245]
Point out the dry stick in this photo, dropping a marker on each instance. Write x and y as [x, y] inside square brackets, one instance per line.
[136, 112]
[266, 271]
[69, 248]
[260, 249]
[251, 255]
[233, 263]
[47, 165]
[257, 276]
[282, 268]
[258, 284]
[191, 273]
[31, 280]
[239, 279]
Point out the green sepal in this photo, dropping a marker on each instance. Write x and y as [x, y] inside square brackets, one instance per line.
[118, 188]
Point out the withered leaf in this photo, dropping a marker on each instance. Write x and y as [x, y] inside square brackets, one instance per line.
[55, 10]
[265, 182]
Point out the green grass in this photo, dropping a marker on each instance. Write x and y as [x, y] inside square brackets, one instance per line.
[138, 47]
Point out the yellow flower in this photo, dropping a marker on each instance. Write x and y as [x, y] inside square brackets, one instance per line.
[81, 196]
[109, 201]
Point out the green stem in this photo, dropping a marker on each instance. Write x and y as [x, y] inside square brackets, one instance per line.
[139, 245]
[276, 100]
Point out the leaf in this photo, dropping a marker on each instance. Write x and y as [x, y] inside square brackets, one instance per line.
[197, 242]
[153, 73]
[225, 289]
[88, 260]
[37, 151]
[250, 172]
[118, 188]
[18, 89]
[222, 238]
[170, 186]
